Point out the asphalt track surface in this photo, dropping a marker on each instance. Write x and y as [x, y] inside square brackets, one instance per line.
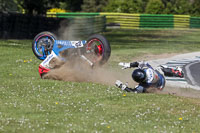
[190, 63]
[192, 71]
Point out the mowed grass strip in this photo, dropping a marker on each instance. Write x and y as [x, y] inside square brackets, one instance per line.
[127, 44]
[30, 104]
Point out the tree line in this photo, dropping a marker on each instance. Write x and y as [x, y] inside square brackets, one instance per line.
[187, 7]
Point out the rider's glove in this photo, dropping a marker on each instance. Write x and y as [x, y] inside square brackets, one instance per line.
[142, 64]
[125, 65]
[119, 84]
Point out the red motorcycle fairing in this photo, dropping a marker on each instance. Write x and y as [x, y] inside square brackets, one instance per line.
[43, 70]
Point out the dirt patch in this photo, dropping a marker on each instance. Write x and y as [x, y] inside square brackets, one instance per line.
[184, 92]
[77, 70]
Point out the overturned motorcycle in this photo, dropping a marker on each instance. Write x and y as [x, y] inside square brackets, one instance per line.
[95, 50]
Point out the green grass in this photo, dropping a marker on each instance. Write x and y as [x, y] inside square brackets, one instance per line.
[30, 104]
[136, 43]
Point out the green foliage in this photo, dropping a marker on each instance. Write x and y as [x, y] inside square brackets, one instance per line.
[178, 7]
[182, 7]
[8, 5]
[189, 7]
[71, 5]
[113, 6]
[195, 8]
[41, 6]
[168, 8]
[154, 7]
[126, 6]
[93, 5]
[138, 6]
[34, 7]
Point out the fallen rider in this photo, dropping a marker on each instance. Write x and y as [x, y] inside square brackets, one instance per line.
[148, 77]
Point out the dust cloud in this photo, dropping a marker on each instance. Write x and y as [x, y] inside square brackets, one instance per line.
[66, 30]
[78, 70]
[182, 92]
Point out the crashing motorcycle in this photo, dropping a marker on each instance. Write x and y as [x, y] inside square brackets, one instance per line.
[95, 50]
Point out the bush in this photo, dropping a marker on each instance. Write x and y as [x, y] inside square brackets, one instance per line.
[195, 10]
[154, 7]
[126, 6]
[58, 10]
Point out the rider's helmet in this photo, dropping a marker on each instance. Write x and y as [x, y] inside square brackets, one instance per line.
[139, 75]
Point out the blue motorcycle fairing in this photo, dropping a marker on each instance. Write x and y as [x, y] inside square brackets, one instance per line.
[61, 45]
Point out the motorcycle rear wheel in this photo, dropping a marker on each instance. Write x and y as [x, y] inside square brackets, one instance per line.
[98, 48]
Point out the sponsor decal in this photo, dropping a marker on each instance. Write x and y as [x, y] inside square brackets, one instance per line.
[64, 43]
[67, 43]
[48, 59]
[79, 44]
[150, 74]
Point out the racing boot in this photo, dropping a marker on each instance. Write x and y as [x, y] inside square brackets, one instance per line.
[172, 72]
[179, 72]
